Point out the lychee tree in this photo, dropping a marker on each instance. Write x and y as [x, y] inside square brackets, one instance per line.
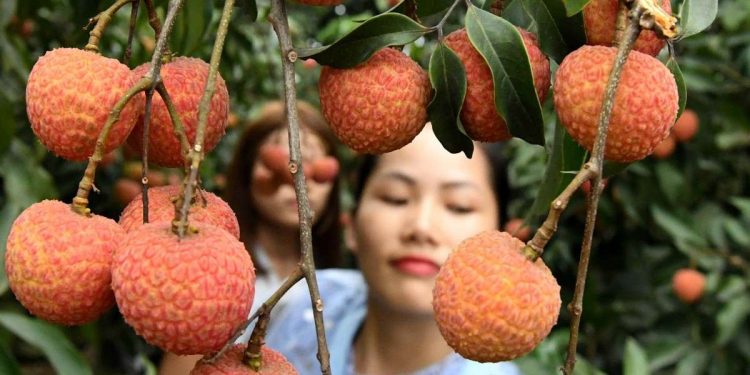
[559, 32]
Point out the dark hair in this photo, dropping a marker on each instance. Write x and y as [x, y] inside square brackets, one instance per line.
[498, 168]
[326, 232]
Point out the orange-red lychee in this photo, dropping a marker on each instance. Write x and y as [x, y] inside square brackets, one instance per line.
[491, 302]
[479, 115]
[185, 296]
[377, 106]
[686, 126]
[688, 284]
[58, 262]
[207, 208]
[325, 169]
[69, 96]
[645, 105]
[665, 149]
[185, 79]
[600, 19]
[272, 363]
[518, 229]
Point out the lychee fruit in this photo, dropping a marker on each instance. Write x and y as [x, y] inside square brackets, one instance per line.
[185, 79]
[688, 284]
[213, 210]
[479, 115]
[518, 229]
[600, 19]
[325, 169]
[125, 190]
[58, 262]
[491, 302]
[586, 186]
[665, 149]
[377, 106]
[272, 363]
[686, 126]
[320, 2]
[185, 296]
[645, 104]
[69, 96]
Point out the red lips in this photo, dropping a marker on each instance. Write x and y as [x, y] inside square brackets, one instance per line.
[416, 266]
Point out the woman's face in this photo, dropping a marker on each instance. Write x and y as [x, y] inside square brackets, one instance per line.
[417, 205]
[280, 207]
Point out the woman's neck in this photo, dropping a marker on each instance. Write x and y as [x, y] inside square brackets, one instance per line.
[281, 246]
[391, 343]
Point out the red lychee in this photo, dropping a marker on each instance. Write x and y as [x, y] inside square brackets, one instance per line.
[325, 169]
[58, 262]
[479, 116]
[600, 19]
[517, 228]
[491, 302]
[665, 149]
[688, 284]
[215, 211]
[69, 96]
[185, 296]
[686, 126]
[273, 363]
[644, 109]
[185, 79]
[378, 106]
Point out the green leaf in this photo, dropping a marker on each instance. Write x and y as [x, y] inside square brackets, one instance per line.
[249, 8]
[7, 124]
[516, 14]
[7, 11]
[697, 15]
[50, 340]
[573, 7]
[448, 77]
[498, 41]
[8, 364]
[384, 30]
[671, 181]
[634, 361]
[558, 34]
[191, 25]
[693, 363]
[680, 80]
[677, 229]
[730, 318]
[742, 204]
[737, 232]
[425, 8]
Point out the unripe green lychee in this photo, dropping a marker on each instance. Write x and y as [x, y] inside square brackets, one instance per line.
[320, 2]
[378, 106]
[491, 302]
[272, 363]
[213, 210]
[69, 96]
[600, 19]
[185, 79]
[479, 115]
[58, 262]
[644, 109]
[185, 296]
[688, 284]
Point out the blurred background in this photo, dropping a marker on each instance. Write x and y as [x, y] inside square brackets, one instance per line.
[687, 208]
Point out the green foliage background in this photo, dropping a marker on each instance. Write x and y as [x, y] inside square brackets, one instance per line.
[689, 210]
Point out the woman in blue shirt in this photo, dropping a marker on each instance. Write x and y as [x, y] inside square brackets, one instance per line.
[413, 206]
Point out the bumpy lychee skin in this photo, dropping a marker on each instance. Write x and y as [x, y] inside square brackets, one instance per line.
[58, 262]
[688, 284]
[645, 103]
[273, 363]
[320, 2]
[185, 79]
[491, 303]
[187, 296]
[479, 115]
[69, 96]
[214, 210]
[378, 106]
[600, 18]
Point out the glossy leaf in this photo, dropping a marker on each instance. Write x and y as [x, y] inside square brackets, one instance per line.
[448, 78]
[634, 361]
[191, 26]
[731, 317]
[384, 30]
[498, 41]
[674, 67]
[7, 10]
[697, 15]
[516, 14]
[558, 33]
[425, 8]
[573, 7]
[50, 340]
[693, 364]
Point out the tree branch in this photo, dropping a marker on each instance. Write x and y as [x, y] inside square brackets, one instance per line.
[102, 21]
[131, 30]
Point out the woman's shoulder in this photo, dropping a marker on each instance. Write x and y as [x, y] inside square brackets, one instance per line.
[501, 368]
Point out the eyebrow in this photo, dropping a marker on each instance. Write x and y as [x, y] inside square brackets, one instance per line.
[446, 185]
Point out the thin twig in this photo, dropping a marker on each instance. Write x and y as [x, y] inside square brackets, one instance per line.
[439, 26]
[278, 18]
[131, 31]
[174, 114]
[631, 33]
[153, 20]
[102, 21]
[144, 151]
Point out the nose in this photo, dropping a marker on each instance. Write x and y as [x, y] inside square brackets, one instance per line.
[420, 226]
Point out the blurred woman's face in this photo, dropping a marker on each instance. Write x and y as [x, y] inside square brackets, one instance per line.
[417, 205]
[280, 207]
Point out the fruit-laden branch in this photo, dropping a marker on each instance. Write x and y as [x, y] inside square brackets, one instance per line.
[80, 202]
[134, 5]
[278, 18]
[102, 21]
[195, 155]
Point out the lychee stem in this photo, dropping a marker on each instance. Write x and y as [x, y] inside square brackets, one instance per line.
[625, 45]
[134, 5]
[144, 152]
[195, 156]
[174, 114]
[439, 26]
[102, 21]
[278, 19]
